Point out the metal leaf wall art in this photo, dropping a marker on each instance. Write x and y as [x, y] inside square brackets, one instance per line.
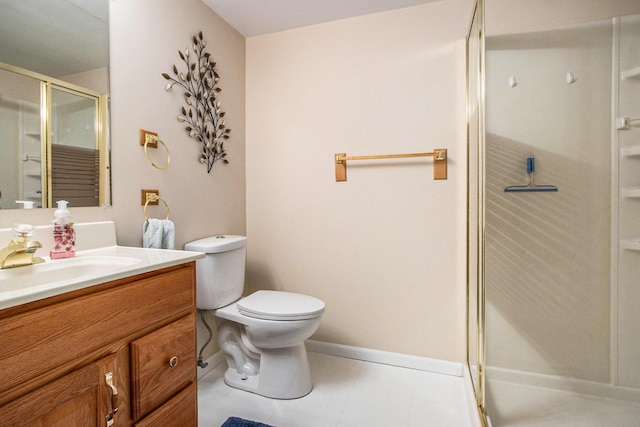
[203, 116]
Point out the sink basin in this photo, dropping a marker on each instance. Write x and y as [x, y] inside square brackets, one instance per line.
[20, 285]
[63, 270]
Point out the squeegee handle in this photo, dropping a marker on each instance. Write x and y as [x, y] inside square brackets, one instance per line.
[531, 165]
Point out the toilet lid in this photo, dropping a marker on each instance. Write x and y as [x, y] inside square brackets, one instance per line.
[278, 305]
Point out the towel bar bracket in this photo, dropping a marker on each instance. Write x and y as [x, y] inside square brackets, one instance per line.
[148, 138]
[149, 197]
[341, 167]
[439, 162]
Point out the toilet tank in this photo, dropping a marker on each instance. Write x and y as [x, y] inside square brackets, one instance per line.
[220, 274]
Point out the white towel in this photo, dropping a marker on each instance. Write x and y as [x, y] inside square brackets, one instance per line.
[158, 234]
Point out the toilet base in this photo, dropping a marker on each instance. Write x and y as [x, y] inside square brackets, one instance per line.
[283, 374]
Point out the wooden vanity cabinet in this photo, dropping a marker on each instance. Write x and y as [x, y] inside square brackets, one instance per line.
[57, 353]
[75, 399]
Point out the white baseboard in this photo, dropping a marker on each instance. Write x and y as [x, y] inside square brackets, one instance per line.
[489, 423]
[368, 355]
[573, 385]
[470, 397]
[386, 357]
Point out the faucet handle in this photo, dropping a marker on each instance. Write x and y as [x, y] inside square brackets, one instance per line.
[24, 230]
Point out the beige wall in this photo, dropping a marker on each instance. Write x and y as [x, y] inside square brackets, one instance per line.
[145, 38]
[386, 249]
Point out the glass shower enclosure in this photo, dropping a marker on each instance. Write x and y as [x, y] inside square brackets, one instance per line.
[554, 265]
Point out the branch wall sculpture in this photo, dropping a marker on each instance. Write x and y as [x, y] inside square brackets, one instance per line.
[203, 116]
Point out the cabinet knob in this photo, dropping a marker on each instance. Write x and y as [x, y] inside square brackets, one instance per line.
[173, 361]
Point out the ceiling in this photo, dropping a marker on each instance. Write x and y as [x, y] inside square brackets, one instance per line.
[61, 37]
[257, 17]
[55, 37]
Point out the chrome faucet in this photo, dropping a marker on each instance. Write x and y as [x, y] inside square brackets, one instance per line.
[20, 250]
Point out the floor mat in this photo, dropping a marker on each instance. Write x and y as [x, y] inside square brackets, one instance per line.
[239, 422]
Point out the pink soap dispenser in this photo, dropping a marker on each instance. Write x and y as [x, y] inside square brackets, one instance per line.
[64, 236]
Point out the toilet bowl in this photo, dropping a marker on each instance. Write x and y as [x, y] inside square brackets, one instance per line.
[273, 349]
[262, 335]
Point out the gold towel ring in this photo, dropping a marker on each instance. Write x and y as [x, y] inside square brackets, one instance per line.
[151, 161]
[154, 198]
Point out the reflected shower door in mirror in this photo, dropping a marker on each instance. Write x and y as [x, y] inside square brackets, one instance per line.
[74, 148]
[53, 140]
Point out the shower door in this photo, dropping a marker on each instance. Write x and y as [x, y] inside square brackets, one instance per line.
[561, 267]
[475, 200]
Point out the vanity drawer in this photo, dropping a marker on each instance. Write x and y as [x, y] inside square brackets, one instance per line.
[181, 411]
[162, 363]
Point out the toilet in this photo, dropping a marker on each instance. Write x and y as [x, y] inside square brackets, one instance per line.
[262, 335]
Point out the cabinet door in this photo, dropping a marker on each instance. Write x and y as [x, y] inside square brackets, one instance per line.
[162, 364]
[80, 398]
[181, 411]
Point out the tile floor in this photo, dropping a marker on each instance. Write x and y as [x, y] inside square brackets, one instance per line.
[347, 393]
[511, 405]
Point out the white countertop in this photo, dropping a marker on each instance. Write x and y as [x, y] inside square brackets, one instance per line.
[25, 284]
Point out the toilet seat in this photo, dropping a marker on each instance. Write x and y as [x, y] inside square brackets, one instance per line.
[278, 305]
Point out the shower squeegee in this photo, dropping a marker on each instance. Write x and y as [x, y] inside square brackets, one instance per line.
[531, 186]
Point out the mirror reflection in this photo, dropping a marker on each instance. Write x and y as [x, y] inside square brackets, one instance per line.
[54, 103]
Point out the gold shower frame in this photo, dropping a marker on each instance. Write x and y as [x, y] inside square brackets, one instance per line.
[477, 285]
